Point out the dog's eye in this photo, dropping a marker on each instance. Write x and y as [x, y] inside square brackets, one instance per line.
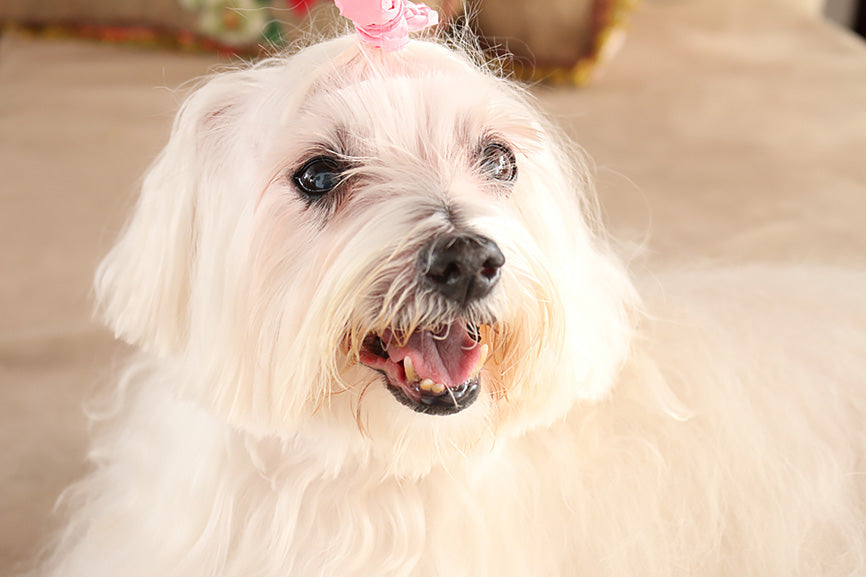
[498, 162]
[319, 176]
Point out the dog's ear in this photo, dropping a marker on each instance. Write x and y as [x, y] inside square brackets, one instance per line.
[143, 285]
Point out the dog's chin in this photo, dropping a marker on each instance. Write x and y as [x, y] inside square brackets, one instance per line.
[434, 371]
[453, 401]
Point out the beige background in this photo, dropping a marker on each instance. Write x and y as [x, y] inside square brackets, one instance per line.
[153, 12]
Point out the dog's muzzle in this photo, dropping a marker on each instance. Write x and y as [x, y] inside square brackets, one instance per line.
[437, 370]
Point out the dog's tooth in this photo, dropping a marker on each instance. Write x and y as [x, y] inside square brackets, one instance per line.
[438, 388]
[482, 358]
[426, 384]
[411, 375]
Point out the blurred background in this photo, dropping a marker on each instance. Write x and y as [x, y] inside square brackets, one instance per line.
[847, 13]
[720, 130]
[552, 34]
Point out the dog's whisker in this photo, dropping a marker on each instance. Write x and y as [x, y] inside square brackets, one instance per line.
[362, 428]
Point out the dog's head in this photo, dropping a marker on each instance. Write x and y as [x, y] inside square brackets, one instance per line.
[389, 251]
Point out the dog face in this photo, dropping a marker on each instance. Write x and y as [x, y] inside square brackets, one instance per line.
[386, 251]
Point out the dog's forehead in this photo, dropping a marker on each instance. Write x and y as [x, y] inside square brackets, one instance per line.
[415, 111]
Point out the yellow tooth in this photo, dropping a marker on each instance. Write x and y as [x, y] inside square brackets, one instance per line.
[438, 388]
[411, 375]
[482, 358]
[426, 384]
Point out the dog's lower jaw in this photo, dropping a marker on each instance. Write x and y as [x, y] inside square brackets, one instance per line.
[452, 401]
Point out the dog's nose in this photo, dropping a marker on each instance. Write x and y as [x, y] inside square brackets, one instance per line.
[463, 268]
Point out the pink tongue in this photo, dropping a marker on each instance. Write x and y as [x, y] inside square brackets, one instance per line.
[447, 357]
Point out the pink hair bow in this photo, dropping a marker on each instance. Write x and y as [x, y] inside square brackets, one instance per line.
[386, 24]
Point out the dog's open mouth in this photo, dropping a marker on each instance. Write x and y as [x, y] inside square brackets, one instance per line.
[432, 371]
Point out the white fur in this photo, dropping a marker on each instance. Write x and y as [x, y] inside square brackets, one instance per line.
[719, 432]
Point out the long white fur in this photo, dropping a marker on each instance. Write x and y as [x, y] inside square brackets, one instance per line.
[714, 429]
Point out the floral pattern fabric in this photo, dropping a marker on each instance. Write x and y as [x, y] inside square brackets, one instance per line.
[237, 23]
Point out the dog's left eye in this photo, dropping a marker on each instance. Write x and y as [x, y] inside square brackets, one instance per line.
[319, 176]
[498, 162]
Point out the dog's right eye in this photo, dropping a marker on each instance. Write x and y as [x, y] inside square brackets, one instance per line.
[498, 162]
[319, 176]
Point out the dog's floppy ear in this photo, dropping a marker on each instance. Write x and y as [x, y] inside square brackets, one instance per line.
[143, 285]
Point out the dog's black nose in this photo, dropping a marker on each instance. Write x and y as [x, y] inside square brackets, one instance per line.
[463, 268]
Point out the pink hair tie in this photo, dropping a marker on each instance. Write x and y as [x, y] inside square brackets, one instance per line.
[386, 24]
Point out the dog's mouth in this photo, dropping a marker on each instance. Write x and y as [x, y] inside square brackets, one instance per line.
[433, 371]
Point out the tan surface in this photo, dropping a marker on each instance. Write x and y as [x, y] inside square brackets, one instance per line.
[730, 135]
[733, 133]
[560, 34]
[168, 13]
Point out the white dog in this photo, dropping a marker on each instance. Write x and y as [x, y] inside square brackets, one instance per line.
[381, 334]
